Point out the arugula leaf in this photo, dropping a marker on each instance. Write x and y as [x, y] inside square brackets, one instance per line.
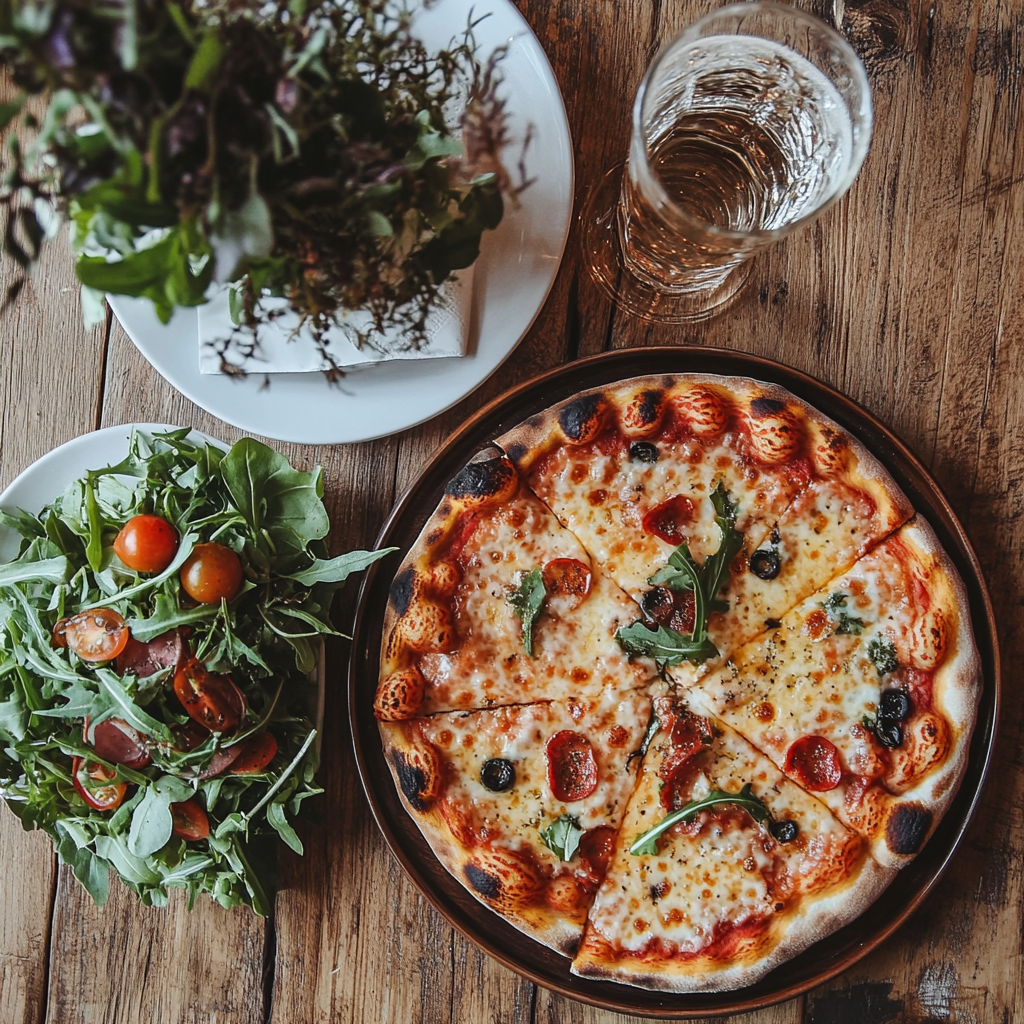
[337, 570]
[527, 601]
[882, 651]
[745, 798]
[562, 837]
[666, 646]
[152, 821]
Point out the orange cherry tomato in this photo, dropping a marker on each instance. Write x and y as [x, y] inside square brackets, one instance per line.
[257, 752]
[103, 797]
[99, 634]
[212, 573]
[212, 700]
[189, 821]
[146, 543]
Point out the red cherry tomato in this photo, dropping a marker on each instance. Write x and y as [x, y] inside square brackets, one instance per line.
[115, 740]
[572, 769]
[668, 519]
[814, 762]
[146, 543]
[212, 573]
[569, 577]
[103, 797]
[189, 821]
[257, 752]
[213, 701]
[99, 634]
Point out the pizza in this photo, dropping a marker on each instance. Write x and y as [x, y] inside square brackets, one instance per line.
[676, 680]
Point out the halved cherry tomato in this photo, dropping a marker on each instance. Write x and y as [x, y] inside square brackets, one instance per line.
[212, 700]
[569, 577]
[189, 821]
[99, 634]
[572, 769]
[212, 573]
[115, 740]
[257, 752]
[668, 519]
[147, 543]
[101, 797]
[814, 762]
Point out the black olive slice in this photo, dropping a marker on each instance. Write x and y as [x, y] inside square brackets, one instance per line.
[888, 732]
[784, 831]
[894, 705]
[498, 774]
[644, 451]
[775, 537]
[765, 564]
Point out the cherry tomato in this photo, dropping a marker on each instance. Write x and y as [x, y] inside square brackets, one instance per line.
[213, 701]
[102, 797]
[99, 634]
[146, 543]
[211, 573]
[189, 821]
[814, 762]
[257, 752]
[569, 577]
[115, 740]
[668, 519]
[572, 769]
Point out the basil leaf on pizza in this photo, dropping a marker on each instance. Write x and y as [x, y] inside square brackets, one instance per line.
[527, 601]
[562, 837]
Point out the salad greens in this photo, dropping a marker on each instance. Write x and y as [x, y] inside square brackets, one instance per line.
[265, 640]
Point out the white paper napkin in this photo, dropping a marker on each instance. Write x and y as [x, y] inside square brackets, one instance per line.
[281, 350]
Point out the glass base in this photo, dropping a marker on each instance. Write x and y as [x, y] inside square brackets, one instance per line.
[602, 255]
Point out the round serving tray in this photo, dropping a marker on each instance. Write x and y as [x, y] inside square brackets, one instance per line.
[490, 932]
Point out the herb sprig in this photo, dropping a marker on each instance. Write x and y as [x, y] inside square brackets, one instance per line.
[668, 646]
[527, 599]
[266, 639]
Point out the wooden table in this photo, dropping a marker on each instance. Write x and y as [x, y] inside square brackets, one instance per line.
[907, 296]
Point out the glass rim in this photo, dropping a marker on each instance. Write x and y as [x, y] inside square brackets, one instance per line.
[861, 142]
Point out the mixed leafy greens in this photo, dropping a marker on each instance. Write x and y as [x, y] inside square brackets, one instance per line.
[170, 802]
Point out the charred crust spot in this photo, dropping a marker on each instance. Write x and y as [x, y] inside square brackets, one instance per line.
[906, 828]
[648, 406]
[484, 883]
[567, 946]
[434, 536]
[482, 479]
[403, 590]
[764, 406]
[413, 780]
[445, 510]
[536, 420]
[516, 452]
[578, 418]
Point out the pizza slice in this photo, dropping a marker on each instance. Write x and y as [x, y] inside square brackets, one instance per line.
[497, 603]
[521, 804]
[866, 693]
[722, 870]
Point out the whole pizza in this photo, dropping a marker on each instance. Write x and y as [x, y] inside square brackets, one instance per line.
[675, 680]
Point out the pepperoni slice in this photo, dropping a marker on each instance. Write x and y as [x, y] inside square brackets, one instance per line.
[116, 741]
[814, 763]
[572, 770]
[568, 577]
[688, 739]
[168, 650]
[668, 519]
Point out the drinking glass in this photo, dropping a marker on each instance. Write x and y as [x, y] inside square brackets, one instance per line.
[747, 126]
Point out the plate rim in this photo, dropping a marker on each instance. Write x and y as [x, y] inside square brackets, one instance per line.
[132, 313]
[884, 445]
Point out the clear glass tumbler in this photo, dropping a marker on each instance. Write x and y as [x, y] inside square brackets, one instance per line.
[747, 126]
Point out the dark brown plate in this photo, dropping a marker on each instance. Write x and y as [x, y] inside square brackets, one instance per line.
[491, 933]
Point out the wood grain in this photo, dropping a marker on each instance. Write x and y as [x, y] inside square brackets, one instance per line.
[907, 296]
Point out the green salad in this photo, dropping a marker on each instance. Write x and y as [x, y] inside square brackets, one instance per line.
[159, 629]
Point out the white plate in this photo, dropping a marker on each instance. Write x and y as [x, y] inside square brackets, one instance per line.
[513, 276]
